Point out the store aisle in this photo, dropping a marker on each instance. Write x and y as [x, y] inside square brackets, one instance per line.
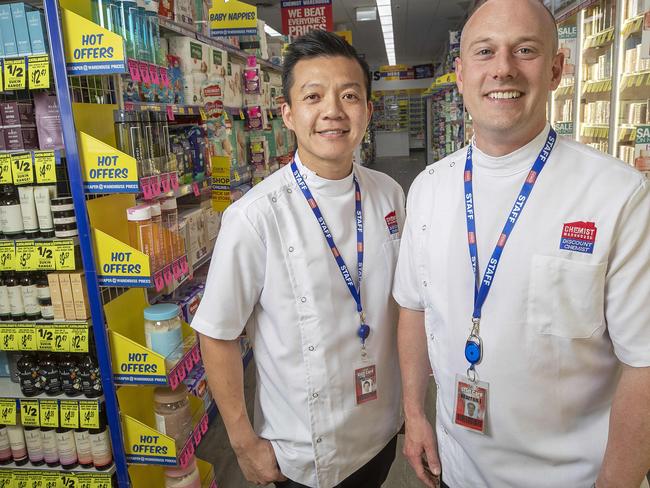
[402, 169]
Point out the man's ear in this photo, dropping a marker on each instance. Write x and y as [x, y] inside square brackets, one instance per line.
[287, 115]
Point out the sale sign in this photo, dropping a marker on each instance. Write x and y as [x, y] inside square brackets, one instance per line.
[302, 16]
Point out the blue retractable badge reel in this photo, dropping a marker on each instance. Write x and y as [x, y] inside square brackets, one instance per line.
[473, 350]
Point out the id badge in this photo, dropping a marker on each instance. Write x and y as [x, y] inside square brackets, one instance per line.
[471, 404]
[365, 381]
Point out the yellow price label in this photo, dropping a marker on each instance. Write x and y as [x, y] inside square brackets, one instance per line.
[8, 338]
[69, 480]
[61, 339]
[26, 256]
[45, 338]
[45, 166]
[78, 339]
[5, 170]
[39, 72]
[271, 114]
[22, 479]
[49, 413]
[29, 412]
[15, 74]
[22, 167]
[26, 337]
[89, 414]
[51, 480]
[44, 256]
[8, 411]
[204, 116]
[101, 482]
[69, 410]
[64, 255]
[7, 256]
[241, 114]
[6, 478]
[84, 480]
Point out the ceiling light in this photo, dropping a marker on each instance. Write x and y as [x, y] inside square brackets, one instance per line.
[271, 31]
[385, 10]
[365, 14]
[381, 3]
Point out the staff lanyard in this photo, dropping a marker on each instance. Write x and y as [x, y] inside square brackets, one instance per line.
[364, 330]
[474, 345]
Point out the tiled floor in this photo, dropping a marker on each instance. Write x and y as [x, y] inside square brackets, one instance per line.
[215, 447]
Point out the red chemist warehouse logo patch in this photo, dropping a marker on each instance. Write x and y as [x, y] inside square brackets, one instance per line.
[391, 222]
[579, 237]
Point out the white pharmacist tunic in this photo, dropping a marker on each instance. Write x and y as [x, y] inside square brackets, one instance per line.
[273, 271]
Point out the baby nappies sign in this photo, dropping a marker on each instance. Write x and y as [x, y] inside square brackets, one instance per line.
[232, 18]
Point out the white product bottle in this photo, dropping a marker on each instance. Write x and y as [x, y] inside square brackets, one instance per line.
[43, 198]
[28, 210]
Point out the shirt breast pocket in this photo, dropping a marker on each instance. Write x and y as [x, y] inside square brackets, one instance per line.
[391, 252]
[566, 298]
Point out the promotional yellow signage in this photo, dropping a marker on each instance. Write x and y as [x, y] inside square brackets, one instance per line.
[134, 363]
[347, 35]
[107, 170]
[8, 411]
[119, 264]
[447, 78]
[144, 445]
[69, 414]
[91, 49]
[15, 74]
[39, 72]
[89, 414]
[49, 413]
[232, 18]
[220, 183]
[5, 169]
[22, 167]
[45, 166]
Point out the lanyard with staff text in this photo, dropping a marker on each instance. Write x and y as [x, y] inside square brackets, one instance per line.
[364, 329]
[474, 344]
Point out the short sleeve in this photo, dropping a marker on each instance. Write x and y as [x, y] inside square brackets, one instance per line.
[406, 287]
[235, 279]
[628, 282]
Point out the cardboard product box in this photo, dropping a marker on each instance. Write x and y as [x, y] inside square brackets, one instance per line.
[217, 62]
[21, 32]
[48, 121]
[66, 296]
[234, 91]
[7, 31]
[183, 12]
[212, 223]
[195, 239]
[37, 36]
[166, 9]
[17, 113]
[194, 55]
[18, 138]
[57, 299]
[80, 296]
[3, 143]
[176, 79]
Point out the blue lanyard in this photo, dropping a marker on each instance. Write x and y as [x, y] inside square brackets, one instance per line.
[364, 329]
[473, 346]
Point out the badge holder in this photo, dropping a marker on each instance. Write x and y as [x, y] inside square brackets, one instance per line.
[365, 370]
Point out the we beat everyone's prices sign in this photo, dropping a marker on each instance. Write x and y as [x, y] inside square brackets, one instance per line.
[302, 16]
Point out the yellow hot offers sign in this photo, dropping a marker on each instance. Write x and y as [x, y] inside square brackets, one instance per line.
[91, 49]
[118, 264]
[232, 18]
[144, 445]
[107, 170]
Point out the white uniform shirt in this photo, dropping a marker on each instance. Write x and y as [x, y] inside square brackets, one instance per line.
[272, 268]
[556, 322]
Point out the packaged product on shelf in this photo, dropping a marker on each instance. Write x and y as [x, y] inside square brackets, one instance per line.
[84, 450]
[91, 380]
[217, 61]
[176, 79]
[7, 31]
[57, 298]
[70, 376]
[11, 218]
[173, 413]
[100, 445]
[238, 192]
[256, 118]
[21, 31]
[183, 11]
[5, 445]
[37, 36]
[14, 290]
[141, 230]
[17, 444]
[252, 77]
[31, 383]
[5, 304]
[49, 373]
[30, 299]
[169, 216]
[196, 242]
[48, 121]
[162, 328]
[188, 298]
[28, 211]
[66, 296]
[234, 93]
[5, 372]
[43, 195]
[34, 443]
[50, 449]
[212, 95]
[67, 448]
[187, 477]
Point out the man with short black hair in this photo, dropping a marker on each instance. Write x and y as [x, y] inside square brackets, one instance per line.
[523, 279]
[305, 261]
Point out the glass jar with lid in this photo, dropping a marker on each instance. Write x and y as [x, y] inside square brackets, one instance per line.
[162, 328]
[173, 413]
[187, 477]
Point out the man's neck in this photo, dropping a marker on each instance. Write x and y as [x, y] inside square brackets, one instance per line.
[496, 145]
[328, 169]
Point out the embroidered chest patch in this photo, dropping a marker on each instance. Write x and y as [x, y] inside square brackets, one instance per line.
[579, 237]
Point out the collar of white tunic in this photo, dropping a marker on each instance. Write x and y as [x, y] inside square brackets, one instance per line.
[323, 186]
[517, 161]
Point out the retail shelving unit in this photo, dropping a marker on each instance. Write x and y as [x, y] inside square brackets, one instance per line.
[603, 96]
[445, 118]
[88, 93]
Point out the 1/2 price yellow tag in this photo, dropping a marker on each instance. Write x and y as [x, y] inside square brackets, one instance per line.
[45, 166]
[44, 256]
[7, 256]
[6, 478]
[64, 255]
[8, 338]
[69, 410]
[45, 339]
[26, 337]
[89, 414]
[29, 412]
[26, 256]
[5, 170]
[78, 338]
[61, 339]
[22, 168]
[39, 72]
[69, 480]
[204, 116]
[15, 74]
[8, 411]
[49, 413]
[101, 482]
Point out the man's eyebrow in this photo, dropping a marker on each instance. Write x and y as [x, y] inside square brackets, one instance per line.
[517, 41]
